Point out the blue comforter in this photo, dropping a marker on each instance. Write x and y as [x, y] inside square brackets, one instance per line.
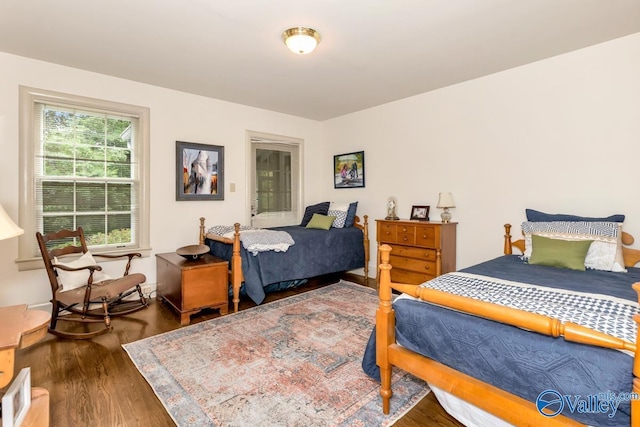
[315, 252]
[521, 362]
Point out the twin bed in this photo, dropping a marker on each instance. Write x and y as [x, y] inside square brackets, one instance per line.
[487, 338]
[315, 252]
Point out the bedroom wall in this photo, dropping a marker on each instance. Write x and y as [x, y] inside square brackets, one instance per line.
[559, 135]
[174, 116]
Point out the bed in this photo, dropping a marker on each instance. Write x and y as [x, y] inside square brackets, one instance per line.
[315, 252]
[490, 362]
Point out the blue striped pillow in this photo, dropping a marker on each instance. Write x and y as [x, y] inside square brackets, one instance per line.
[320, 208]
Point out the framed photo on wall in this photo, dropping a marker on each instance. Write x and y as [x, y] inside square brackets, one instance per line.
[199, 171]
[420, 213]
[348, 170]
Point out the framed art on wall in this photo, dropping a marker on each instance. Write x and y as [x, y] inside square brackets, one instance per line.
[420, 213]
[348, 170]
[199, 171]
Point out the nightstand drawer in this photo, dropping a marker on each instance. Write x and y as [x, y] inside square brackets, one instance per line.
[413, 252]
[387, 233]
[419, 266]
[426, 236]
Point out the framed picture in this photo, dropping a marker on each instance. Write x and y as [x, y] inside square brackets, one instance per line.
[348, 170]
[199, 171]
[421, 213]
[17, 400]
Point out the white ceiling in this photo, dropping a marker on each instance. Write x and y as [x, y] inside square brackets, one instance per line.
[372, 51]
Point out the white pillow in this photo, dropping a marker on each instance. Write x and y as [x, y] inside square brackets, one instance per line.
[339, 210]
[74, 279]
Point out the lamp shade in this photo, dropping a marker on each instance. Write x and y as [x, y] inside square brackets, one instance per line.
[8, 228]
[445, 200]
[301, 40]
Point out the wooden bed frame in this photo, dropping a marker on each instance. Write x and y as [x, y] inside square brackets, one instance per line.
[235, 264]
[498, 402]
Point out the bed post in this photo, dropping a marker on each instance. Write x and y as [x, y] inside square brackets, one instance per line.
[635, 403]
[507, 240]
[385, 328]
[202, 234]
[236, 267]
[367, 254]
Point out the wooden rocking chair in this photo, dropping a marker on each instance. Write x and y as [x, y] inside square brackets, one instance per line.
[86, 285]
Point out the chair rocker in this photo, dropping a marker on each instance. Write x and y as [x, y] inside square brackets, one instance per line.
[77, 299]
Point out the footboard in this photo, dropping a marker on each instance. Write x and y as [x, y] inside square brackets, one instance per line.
[498, 402]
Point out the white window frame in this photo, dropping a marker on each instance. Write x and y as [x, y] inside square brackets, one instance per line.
[28, 253]
[275, 219]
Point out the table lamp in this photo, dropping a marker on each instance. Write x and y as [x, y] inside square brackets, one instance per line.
[8, 228]
[445, 201]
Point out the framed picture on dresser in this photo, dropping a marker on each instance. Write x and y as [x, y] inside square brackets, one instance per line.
[17, 400]
[420, 212]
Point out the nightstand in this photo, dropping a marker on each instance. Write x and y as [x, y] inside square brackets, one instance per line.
[420, 250]
[190, 286]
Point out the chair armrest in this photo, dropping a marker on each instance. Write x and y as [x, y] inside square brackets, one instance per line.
[129, 255]
[92, 268]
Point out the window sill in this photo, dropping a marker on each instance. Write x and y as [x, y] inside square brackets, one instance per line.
[36, 263]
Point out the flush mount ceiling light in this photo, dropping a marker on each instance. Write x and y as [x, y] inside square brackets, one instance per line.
[301, 40]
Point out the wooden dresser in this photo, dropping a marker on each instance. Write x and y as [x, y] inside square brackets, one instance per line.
[420, 250]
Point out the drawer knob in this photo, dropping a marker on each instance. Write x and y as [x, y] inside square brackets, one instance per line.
[427, 267]
[404, 238]
[424, 236]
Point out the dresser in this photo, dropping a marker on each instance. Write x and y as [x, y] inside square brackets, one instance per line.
[420, 250]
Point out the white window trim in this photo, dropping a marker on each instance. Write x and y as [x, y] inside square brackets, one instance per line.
[297, 208]
[27, 244]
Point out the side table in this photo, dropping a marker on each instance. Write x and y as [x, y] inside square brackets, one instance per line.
[190, 286]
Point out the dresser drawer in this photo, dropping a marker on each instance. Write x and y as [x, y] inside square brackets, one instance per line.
[411, 264]
[403, 276]
[387, 233]
[426, 236]
[413, 252]
[406, 238]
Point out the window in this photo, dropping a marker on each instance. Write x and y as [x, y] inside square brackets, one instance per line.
[84, 163]
[276, 180]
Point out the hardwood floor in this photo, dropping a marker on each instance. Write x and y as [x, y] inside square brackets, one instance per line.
[94, 383]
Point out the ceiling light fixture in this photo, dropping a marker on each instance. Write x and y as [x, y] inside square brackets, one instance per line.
[301, 40]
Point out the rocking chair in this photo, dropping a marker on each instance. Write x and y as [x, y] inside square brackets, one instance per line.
[78, 285]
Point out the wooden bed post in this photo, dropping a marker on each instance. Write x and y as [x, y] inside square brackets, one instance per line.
[236, 267]
[367, 255]
[507, 239]
[385, 328]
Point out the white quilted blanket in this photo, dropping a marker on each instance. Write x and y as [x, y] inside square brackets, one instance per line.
[257, 240]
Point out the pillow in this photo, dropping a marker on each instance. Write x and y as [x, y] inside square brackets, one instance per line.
[537, 216]
[320, 208]
[338, 210]
[559, 253]
[351, 215]
[322, 222]
[605, 253]
[75, 279]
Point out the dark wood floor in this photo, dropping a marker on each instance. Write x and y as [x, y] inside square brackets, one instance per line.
[94, 383]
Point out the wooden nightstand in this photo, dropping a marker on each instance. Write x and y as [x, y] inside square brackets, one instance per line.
[192, 285]
[420, 250]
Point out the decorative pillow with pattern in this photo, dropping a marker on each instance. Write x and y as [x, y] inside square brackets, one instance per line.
[605, 253]
[320, 208]
[339, 210]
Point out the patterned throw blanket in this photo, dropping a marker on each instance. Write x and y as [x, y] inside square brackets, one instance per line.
[610, 315]
[257, 240]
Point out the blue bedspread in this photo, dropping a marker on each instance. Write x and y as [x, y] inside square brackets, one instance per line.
[521, 362]
[315, 252]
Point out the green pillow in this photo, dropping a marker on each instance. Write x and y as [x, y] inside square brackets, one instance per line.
[322, 222]
[559, 253]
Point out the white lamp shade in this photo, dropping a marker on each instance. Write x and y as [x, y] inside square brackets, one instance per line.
[8, 228]
[446, 201]
[301, 40]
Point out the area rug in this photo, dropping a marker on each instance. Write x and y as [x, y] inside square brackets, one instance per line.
[292, 362]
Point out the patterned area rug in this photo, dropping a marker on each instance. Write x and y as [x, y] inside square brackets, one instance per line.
[292, 362]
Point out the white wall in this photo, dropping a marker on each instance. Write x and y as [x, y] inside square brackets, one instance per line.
[559, 135]
[174, 116]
